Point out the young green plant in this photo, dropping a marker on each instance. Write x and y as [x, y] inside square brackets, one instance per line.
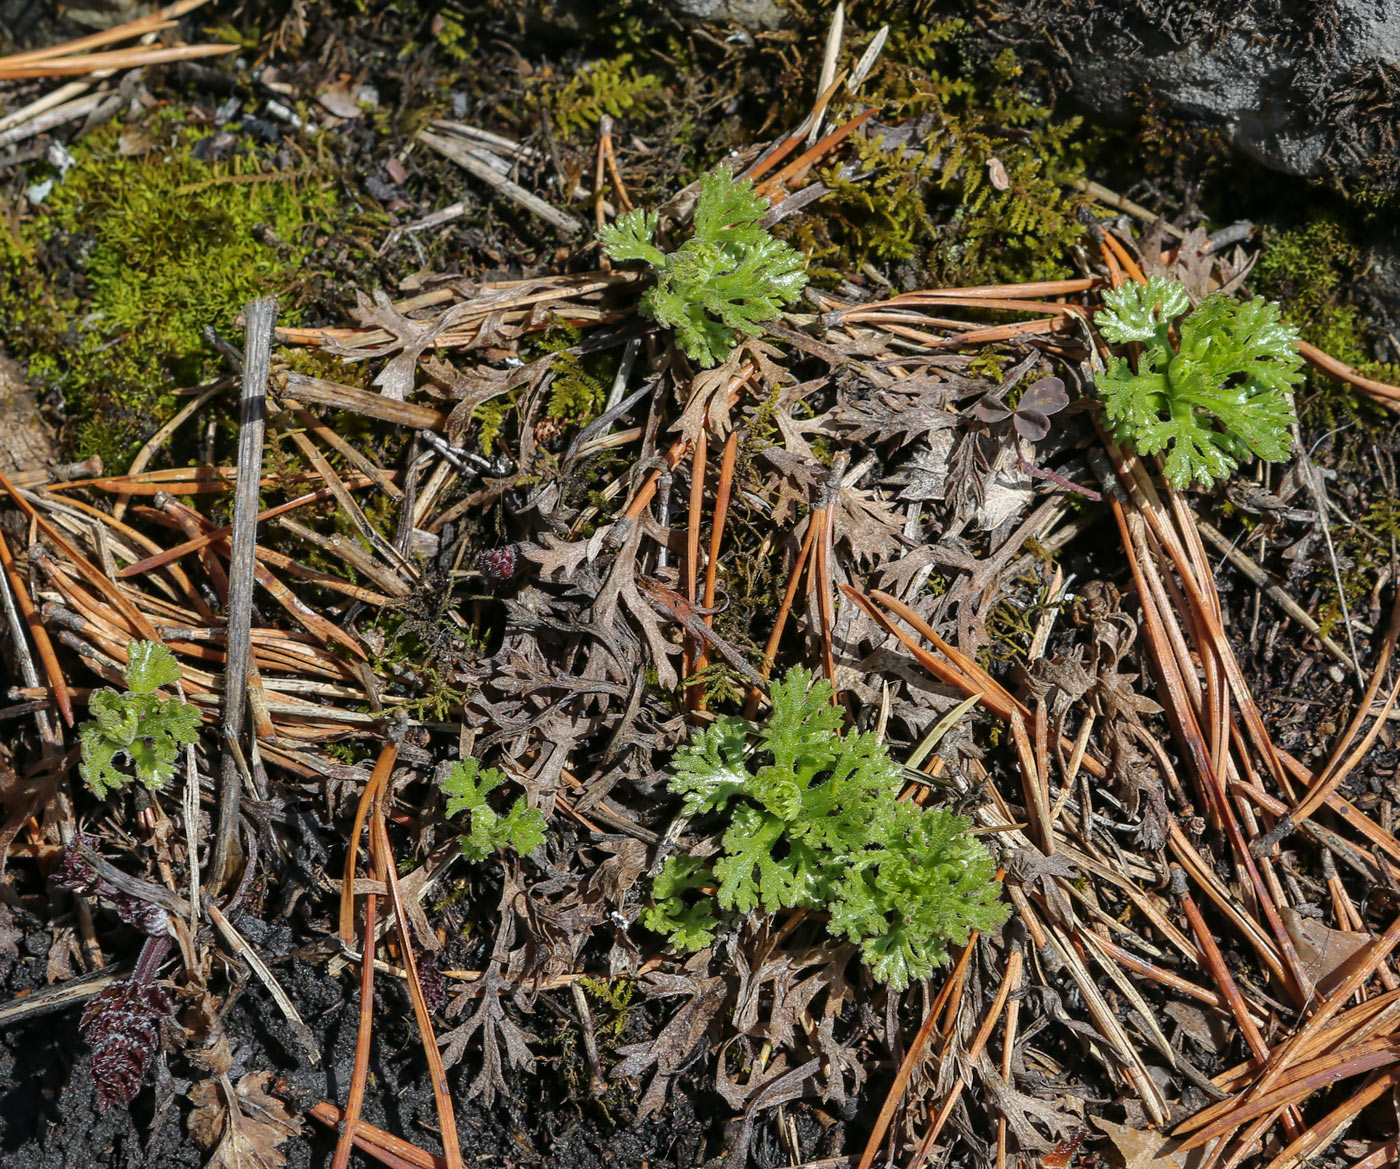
[1213, 397]
[521, 828]
[140, 725]
[724, 282]
[813, 821]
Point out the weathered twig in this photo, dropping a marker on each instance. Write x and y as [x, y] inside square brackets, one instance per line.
[464, 157]
[260, 318]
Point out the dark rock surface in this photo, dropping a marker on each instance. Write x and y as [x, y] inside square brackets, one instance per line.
[1306, 87]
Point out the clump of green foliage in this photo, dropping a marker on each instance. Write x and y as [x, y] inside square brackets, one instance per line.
[106, 287]
[815, 822]
[1212, 399]
[521, 828]
[724, 282]
[139, 724]
[575, 395]
[600, 87]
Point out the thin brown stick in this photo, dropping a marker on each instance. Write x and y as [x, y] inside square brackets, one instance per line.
[116, 59]
[364, 1027]
[1010, 982]
[698, 470]
[911, 1060]
[1317, 1134]
[58, 685]
[1382, 392]
[385, 1147]
[85, 568]
[261, 317]
[824, 146]
[721, 514]
[770, 649]
[436, 1072]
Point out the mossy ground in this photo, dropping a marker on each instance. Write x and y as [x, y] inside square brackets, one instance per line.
[107, 285]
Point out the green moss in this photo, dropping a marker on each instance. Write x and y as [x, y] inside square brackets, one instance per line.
[616, 997]
[105, 289]
[1308, 270]
[600, 87]
[981, 191]
[576, 395]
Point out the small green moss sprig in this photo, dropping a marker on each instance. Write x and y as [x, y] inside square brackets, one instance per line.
[467, 786]
[140, 724]
[814, 822]
[724, 282]
[1212, 399]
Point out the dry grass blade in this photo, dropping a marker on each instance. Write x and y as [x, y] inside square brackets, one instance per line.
[1381, 392]
[721, 515]
[90, 572]
[465, 158]
[1318, 1134]
[1340, 764]
[43, 646]
[1010, 983]
[359, 1074]
[698, 471]
[74, 57]
[808, 157]
[117, 59]
[160, 19]
[911, 1059]
[319, 392]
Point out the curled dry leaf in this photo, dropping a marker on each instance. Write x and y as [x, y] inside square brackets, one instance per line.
[243, 1127]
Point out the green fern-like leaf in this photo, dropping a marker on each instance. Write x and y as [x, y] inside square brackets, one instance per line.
[601, 87]
[688, 921]
[724, 282]
[137, 725]
[575, 395]
[1212, 399]
[522, 828]
[813, 821]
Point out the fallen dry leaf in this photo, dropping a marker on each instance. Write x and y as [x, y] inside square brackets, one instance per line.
[243, 1127]
[1327, 954]
[1144, 1149]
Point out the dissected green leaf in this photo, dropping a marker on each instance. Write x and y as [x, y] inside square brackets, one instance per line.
[724, 282]
[814, 821]
[1213, 397]
[689, 922]
[149, 666]
[137, 725]
[467, 786]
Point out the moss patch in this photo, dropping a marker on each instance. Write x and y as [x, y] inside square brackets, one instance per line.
[106, 287]
[975, 183]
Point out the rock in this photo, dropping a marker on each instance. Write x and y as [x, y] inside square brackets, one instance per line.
[1306, 88]
[570, 18]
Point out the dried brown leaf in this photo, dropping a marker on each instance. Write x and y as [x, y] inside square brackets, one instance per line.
[917, 406]
[1140, 1149]
[674, 1047]
[869, 525]
[244, 1127]
[560, 559]
[410, 339]
[1327, 954]
[708, 405]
